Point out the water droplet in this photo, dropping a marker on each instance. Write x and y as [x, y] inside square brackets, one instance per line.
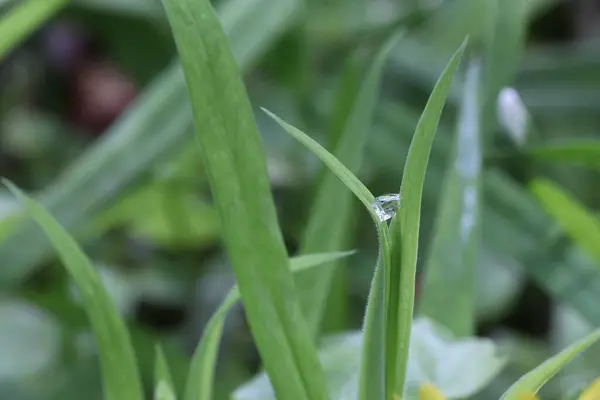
[385, 206]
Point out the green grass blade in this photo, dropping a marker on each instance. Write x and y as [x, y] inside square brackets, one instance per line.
[324, 233]
[404, 232]
[237, 172]
[449, 284]
[118, 362]
[200, 383]
[344, 174]
[23, 19]
[371, 380]
[163, 381]
[534, 380]
[577, 221]
[153, 128]
[581, 152]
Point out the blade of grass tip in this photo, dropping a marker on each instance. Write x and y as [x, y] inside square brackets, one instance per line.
[324, 233]
[404, 232]
[237, 173]
[449, 284]
[23, 19]
[344, 174]
[117, 359]
[580, 224]
[163, 381]
[534, 380]
[200, 379]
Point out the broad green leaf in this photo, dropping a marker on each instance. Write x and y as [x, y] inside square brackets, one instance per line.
[163, 382]
[578, 222]
[236, 167]
[534, 380]
[371, 377]
[118, 362]
[404, 232]
[450, 272]
[458, 367]
[150, 132]
[585, 153]
[201, 375]
[331, 213]
[23, 19]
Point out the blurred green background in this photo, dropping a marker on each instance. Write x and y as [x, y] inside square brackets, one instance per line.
[95, 122]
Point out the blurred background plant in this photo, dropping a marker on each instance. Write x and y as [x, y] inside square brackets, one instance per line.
[95, 122]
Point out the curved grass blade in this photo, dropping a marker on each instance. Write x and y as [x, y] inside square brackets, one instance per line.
[449, 285]
[200, 379]
[153, 128]
[534, 380]
[404, 232]
[585, 153]
[371, 384]
[579, 223]
[324, 233]
[344, 174]
[23, 19]
[117, 359]
[237, 173]
[371, 378]
[163, 381]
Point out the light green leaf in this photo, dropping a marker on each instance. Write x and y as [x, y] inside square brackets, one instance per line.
[236, 168]
[118, 362]
[150, 132]
[450, 272]
[163, 382]
[201, 375]
[578, 222]
[324, 232]
[534, 380]
[404, 232]
[23, 19]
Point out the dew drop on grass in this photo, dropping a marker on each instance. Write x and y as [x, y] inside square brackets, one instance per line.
[385, 206]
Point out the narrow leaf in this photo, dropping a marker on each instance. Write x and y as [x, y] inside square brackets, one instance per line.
[117, 359]
[23, 19]
[534, 380]
[163, 382]
[325, 232]
[237, 172]
[404, 232]
[344, 174]
[201, 375]
[449, 285]
[577, 221]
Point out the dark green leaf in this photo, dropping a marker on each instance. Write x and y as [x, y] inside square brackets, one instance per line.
[404, 232]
